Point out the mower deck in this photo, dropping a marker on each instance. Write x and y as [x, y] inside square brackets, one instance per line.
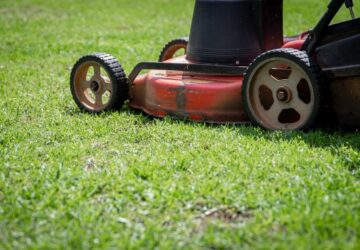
[187, 95]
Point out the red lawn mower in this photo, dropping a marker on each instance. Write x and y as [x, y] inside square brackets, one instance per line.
[238, 68]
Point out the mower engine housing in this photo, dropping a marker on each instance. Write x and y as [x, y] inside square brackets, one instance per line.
[234, 31]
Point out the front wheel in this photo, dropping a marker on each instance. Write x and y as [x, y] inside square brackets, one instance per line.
[282, 90]
[174, 48]
[98, 83]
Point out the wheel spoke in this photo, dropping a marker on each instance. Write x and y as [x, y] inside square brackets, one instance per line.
[85, 84]
[256, 94]
[272, 114]
[98, 100]
[302, 108]
[97, 70]
[107, 81]
[294, 78]
[274, 111]
[267, 80]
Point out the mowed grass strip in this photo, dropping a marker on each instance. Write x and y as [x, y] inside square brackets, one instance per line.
[125, 180]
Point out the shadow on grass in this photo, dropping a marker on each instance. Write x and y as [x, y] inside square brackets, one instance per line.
[329, 136]
[136, 117]
[344, 142]
[333, 138]
[341, 141]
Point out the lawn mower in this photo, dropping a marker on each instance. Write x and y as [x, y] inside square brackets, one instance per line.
[237, 68]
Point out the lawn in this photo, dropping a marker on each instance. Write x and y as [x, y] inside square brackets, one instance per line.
[123, 180]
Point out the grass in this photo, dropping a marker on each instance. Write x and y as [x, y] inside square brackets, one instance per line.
[125, 180]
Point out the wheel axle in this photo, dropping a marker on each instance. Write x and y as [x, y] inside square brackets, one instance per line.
[284, 94]
[94, 86]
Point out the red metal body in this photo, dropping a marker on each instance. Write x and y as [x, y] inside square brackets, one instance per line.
[205, 98]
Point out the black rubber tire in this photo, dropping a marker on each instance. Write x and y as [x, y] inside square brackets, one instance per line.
[309, 66]
[166, 52]
[116, 74]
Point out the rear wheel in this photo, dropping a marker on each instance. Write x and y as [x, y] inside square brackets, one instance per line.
[98, 83]
[174, 48]
[282, 90]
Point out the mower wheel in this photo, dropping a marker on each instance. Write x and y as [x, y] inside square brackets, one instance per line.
[98, 83]
[283, 90]
[172, 47]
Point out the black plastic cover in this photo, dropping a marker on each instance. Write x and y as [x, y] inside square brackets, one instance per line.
[234, 31]
[339, 50]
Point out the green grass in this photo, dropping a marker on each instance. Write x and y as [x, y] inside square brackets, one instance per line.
[124, 180]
